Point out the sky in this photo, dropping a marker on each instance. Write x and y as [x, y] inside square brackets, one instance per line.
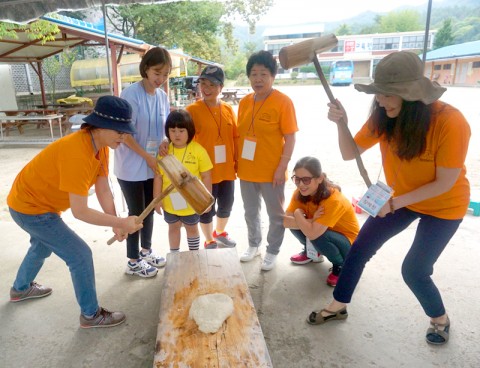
[291, 12]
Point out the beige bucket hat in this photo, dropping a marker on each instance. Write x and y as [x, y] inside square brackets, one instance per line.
[401, 74]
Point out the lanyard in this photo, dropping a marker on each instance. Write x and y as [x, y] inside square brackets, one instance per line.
[219, 125]
[150, 112]
[184, 152]
[254, 114]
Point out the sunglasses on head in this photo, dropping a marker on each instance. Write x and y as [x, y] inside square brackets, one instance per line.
[305, 180]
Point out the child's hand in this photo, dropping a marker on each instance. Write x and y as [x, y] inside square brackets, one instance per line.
[158, 209]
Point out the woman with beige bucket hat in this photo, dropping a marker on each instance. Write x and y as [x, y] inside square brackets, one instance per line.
[423, 143]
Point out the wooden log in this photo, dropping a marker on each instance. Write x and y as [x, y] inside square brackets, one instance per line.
[238, 343]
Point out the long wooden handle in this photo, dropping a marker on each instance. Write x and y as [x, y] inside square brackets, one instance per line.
[149, 208]
[343, 125]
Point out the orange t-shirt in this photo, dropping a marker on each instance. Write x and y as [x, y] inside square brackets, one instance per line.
[266, 121]
[66, 166]
[446, 146]
[339, 215]
[216, 126]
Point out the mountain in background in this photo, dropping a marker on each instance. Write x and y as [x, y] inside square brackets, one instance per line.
[441, 10]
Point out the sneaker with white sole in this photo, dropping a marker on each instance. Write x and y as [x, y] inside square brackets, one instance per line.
[34, 291]
[224, 239]
[103, 318]
[140, 268]
[302, 258]
[249, 254]
[153, 260]
[269, 261]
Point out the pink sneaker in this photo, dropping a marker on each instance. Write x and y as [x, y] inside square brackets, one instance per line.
[301, 258]
[332, 280]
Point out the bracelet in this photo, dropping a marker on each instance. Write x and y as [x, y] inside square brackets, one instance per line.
[392, 208]
[286, 156]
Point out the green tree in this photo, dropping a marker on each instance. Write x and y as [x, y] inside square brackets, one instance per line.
[400, 21]
[343, 30]
[194, 26]
[444, 36]
[38, 30]
[467, 30]
[53, 65]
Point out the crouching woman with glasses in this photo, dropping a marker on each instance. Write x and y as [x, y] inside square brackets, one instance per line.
[321, 216]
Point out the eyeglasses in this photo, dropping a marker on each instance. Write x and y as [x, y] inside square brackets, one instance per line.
[305, 180]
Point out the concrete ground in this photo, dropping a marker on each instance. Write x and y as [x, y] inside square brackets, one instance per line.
[385, 328]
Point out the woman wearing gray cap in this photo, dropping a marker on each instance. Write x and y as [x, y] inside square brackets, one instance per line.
[59, 178]
[423, 143]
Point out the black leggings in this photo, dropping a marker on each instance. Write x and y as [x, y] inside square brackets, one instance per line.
[138, 195]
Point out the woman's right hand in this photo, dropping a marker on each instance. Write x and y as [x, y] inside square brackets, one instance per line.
[132, 224]
[336, 112]
[163, 148]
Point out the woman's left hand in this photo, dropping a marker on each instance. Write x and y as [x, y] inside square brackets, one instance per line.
[279, 176]
[384, 211]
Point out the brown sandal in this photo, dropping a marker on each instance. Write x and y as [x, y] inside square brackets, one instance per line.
[316, 318]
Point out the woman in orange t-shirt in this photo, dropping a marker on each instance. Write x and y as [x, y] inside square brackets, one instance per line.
[58, 178]
[423, 143]
[266, 127]
[320, 217]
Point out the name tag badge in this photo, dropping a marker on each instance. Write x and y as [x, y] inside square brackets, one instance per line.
[375, 198]
[311, 251]
[178, 202]
[248, 151]
[220, 154]
[152, 146]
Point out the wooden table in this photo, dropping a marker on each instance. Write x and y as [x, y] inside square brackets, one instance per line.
[238, 343]
[37, 119]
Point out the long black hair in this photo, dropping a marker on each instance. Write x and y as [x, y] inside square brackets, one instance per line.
[407, 133]
[324, 190]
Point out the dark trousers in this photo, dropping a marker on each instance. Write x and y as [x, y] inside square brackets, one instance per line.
[138, 195]
[431, 238]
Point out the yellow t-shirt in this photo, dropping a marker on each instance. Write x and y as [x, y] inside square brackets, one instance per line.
[267, 122]
[446, 146]
[215, 126]
[339, 215]
[66, 166]
[195, 159]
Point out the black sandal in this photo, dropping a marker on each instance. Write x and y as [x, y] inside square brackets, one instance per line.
[438, 333]
[316, 318]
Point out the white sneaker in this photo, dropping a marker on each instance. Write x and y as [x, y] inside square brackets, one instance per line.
[153, 259]
[269, 261]
[141, 268]
[249, 254]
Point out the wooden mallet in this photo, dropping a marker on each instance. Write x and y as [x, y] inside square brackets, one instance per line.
[305, 52]
[189, 187]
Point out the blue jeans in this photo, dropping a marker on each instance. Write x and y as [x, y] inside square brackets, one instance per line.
[431, 238]
[333, 245]
[48, 233]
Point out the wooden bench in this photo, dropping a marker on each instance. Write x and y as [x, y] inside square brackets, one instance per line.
[238, 343]
[234, 95]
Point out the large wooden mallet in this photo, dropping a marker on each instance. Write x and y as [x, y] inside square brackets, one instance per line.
[189, 187]
[306, 52]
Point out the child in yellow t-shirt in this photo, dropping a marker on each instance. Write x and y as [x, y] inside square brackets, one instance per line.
[180, 130]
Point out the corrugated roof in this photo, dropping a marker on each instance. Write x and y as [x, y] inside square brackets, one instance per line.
[455, 51]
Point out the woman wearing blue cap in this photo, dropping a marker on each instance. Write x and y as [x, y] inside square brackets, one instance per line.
[59, 178]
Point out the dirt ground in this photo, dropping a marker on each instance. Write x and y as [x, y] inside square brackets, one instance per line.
[386, 326]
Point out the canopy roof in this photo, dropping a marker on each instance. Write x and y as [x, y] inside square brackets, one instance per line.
[27, 10]
[73, 32]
